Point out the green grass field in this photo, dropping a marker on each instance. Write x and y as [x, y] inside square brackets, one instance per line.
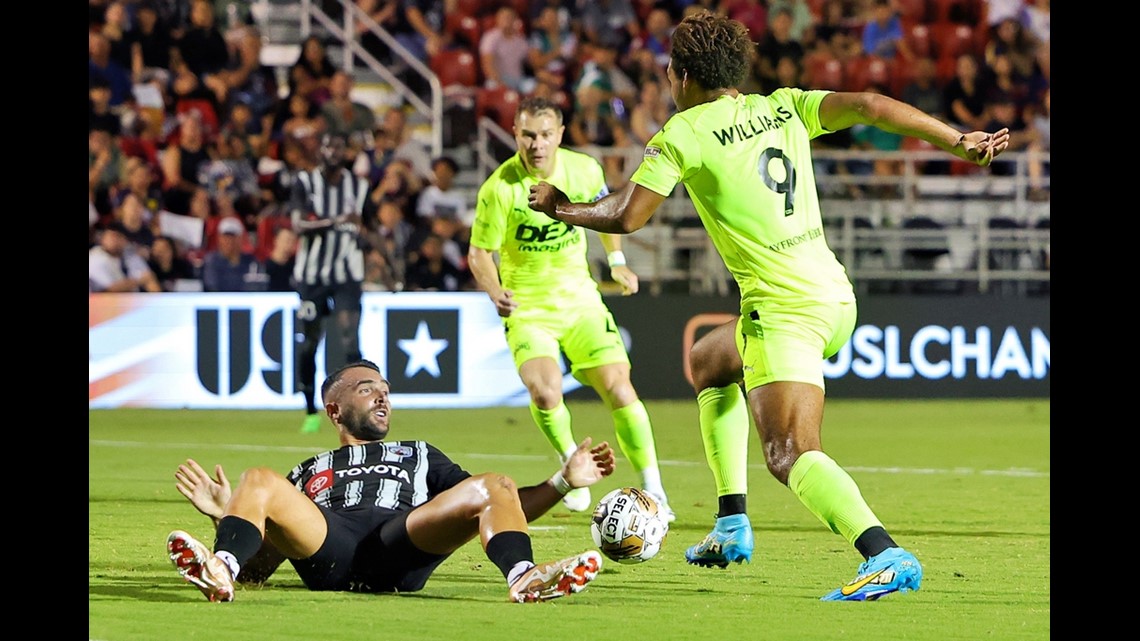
[965, 485]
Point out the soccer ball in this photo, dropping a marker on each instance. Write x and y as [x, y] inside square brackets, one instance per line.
[627, 527]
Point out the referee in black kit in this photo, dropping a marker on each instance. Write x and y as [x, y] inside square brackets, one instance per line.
[327, 208]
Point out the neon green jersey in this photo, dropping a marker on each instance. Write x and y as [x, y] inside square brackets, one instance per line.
[541, 260]
[746, 163]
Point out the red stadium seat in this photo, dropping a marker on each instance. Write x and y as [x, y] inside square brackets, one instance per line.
[469, 7]
[498, 104]
[464, 30]
[913, 10]
[945, 69]
[823, 72]
[455, 67]
[918, 39]
[863, 71]
[953, 39]
[959, 11]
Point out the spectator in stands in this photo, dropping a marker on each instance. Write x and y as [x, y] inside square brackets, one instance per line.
[201, 47]
[882, 32]
[922, 90]
[105, 164]
[440, 197]
[181, 163]
[282, 258]
[101, 65]
[777, 43]
[245, 78]
[189, 94]
[169, 265]
[378, 275]
[113, 267]
[304, 121]
[609, 22]
[802, 17]
[1002, 110]
[419, 27]
[503, 52]
[393, 140]
[832, 33]
[751, 13]
[228, 268]
[116, 22]
[99, 114]
[1035, 21]
[964, 96]
[344, 116]
[1009, 38]
[130, 214]
[151, 44]
[431, 271]
[385, 13]
[312, 73]
[649, 113]
[243, 123]
[789, 72]
[553, 47]
[232, 170]
[390, 238]
[655, 37]
[1038, 167]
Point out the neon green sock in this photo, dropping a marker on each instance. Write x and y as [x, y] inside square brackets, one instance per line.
[555, 424]
[724, 430]
[830, 493]
[635, 435]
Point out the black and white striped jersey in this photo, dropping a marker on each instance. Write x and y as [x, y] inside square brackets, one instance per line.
[395, 475]
[332, 256]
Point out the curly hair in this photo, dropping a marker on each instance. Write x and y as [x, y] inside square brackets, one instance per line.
[714, 50]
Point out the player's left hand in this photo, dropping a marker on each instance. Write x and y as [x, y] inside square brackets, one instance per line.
[589, 464]
[207, 494]
[545, 197]
[625, 277]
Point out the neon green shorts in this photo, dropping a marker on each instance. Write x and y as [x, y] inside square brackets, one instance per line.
[789, 343]
[588, 336]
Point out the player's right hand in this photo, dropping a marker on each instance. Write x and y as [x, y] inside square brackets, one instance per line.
[505, 303]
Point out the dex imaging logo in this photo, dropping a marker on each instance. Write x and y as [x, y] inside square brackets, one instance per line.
[423, 351]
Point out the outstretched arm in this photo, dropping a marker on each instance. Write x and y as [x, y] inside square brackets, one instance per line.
[621, 212]
[841, 110]
[588, 465]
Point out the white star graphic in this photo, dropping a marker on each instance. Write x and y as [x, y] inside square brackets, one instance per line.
[422, 351]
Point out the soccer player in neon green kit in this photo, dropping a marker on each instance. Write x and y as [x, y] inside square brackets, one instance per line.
[549, 301]
[745, 160]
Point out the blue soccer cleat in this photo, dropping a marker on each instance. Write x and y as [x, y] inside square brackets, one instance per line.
[730, 541]
[892, 570]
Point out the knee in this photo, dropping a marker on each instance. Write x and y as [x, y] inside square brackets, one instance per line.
[489, 489]
[710, 369]
[545, 396]
[779, 460]
[258, 478]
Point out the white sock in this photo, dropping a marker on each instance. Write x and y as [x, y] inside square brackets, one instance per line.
[230, 562]
[651, 481]
[518, 570]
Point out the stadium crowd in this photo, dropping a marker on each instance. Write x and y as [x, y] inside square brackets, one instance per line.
[193, 145]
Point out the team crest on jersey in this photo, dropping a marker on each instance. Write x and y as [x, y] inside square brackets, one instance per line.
[652, 152]
[319, 483]
[403, 451]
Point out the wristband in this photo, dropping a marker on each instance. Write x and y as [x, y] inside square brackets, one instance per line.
[559, 482]
[616, 258]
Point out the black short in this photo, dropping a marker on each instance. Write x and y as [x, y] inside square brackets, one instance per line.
[367, 550]
[318, 301]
